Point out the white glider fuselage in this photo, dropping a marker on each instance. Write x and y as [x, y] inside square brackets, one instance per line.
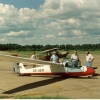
[58, 69]
[40, 67]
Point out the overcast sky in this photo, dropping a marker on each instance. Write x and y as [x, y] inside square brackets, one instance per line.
[28, 22]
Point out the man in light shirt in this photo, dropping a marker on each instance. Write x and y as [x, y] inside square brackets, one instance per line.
[75, 59]
[89, 59]
[33, 56]
[54, 58]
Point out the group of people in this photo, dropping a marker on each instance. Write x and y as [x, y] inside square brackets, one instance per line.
[74, 58]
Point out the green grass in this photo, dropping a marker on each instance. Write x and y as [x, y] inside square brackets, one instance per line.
[42, 97]
[29, 53]
[33, 97]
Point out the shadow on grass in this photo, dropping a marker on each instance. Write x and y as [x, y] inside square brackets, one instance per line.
[34, 85]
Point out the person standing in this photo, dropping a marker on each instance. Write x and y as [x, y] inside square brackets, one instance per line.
[89, 59]
[54, 58]
[33, 56]
[75, 59]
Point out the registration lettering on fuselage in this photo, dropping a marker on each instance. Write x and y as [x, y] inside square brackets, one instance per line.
[38, 70]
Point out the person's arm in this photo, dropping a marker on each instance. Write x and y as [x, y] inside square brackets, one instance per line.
[58, 60]
[92, 58]
[78, 58]
[71, 57]
[51, 58]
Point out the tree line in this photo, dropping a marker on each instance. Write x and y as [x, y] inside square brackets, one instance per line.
[34, 47]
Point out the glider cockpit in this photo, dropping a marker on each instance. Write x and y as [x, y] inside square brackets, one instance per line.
[67, 64]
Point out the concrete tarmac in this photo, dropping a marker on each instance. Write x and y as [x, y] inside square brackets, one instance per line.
[80, 88]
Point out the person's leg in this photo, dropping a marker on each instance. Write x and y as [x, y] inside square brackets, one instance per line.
[89, 64]
[74, 64]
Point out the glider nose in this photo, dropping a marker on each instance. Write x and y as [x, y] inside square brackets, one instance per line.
[90, 70]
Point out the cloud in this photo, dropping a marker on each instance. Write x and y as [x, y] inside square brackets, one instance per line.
[74, 15]
[71, 33]
[49, 36]
[55, 20]
[17, 33]
[53, 25]
[50, 4]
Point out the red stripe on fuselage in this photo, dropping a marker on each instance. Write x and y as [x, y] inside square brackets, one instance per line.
[89, 71]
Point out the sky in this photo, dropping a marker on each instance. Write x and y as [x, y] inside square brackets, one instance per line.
[28, 22]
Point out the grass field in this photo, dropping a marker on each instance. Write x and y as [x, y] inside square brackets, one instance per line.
[29, 53]
[32, 97]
